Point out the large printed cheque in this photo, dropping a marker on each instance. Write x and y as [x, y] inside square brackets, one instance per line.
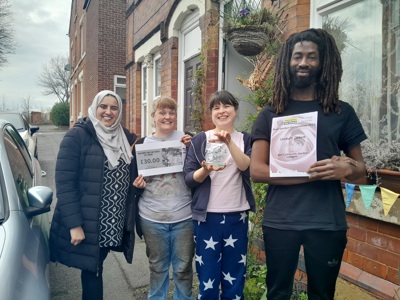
[293, 145]
[160, 158]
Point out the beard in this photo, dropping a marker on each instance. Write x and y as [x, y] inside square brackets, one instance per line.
[302, 82]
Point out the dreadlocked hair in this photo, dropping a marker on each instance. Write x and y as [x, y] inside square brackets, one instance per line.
[327, 85]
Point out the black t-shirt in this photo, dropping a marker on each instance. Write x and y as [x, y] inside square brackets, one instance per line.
[317, 204]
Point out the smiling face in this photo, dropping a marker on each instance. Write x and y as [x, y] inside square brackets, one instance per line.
[107, 111]
[164, 120]
[304, 64]
[223, 116]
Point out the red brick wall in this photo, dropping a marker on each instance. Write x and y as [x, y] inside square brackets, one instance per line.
[133, 107]
[77, 14]
[169, 68]
[148, 15]
[210, 36]
[139, 24]
[297, 15]
[105, 47]
[91, 76]
[373, 246]
[36, 117]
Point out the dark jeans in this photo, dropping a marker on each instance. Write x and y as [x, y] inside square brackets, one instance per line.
[323, 251]
[92, 283]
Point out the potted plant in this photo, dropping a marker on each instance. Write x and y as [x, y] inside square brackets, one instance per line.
[382, 160]
[249, 25]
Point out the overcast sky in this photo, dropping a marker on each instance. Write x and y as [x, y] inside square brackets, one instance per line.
[41, 28]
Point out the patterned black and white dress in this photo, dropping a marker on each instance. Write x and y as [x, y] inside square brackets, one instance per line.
[112, 208]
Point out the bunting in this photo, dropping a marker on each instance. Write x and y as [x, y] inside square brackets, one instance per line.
[388, 198]
[367, 193]
[349, 192]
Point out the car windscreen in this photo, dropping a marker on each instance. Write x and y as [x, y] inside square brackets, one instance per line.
[14, 119]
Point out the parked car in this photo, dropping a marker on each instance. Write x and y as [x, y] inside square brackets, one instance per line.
[24, 221]
[24, 128]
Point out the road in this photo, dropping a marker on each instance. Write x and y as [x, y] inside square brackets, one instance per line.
[121, 280]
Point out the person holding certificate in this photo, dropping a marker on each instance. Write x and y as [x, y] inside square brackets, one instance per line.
[217, 171]
[306, 211]
[165, 217]
[95, 209]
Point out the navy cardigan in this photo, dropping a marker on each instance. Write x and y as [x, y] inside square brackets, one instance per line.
[201, 191]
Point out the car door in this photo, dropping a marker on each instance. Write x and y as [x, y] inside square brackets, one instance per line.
[28, 235]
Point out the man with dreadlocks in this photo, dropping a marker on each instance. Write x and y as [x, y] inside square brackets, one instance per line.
[308, 211]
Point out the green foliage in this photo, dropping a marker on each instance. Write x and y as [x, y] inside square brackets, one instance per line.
[250, 12]
[259, 99]
[255, 232]
[59, 114]
[299, 296]
[197, 110]
[254, 287]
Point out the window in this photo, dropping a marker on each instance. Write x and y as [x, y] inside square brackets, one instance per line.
[82, 40]
[157, 76]
[120, 87]
[144, 100]
[72, 108]
[20, 164]
[367, 34]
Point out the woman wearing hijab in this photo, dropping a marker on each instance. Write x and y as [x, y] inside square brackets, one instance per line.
[93, 178]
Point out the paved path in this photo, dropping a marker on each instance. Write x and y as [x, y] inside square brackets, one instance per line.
[121, 280]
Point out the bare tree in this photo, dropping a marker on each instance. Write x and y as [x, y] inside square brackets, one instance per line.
[54, 78]
[26, 107]
[7, 43]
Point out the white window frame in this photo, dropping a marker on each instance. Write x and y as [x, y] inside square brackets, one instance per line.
[72, 100]
[80, 79]
[157, 89]
[119, 85]
[144, 100]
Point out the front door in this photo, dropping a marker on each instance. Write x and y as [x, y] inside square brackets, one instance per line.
[191, 66]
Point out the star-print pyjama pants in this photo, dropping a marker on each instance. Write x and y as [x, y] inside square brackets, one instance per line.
[221, 252]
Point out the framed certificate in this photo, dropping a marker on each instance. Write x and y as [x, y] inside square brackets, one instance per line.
[160, 158]
[293, 145]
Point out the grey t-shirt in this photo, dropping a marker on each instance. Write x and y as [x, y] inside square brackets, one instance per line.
[166, 198]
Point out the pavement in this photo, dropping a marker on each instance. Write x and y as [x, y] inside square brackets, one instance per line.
[121, 280]
[130, 281]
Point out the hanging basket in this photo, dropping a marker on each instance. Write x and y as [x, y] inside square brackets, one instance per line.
[248, 40]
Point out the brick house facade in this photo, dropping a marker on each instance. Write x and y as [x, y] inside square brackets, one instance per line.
[373, 249]
[126, 38]
[155, 34]
[97, 52]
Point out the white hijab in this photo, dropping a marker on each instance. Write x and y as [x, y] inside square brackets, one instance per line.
[112, 139]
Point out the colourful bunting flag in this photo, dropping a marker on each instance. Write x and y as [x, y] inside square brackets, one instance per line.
[388, 199]
[349, 192]
[367, 193]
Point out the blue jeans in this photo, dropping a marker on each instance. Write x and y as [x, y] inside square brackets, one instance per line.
[168, 244]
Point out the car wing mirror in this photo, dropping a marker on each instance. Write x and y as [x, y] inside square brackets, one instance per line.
[33, 129]
[40, 198]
